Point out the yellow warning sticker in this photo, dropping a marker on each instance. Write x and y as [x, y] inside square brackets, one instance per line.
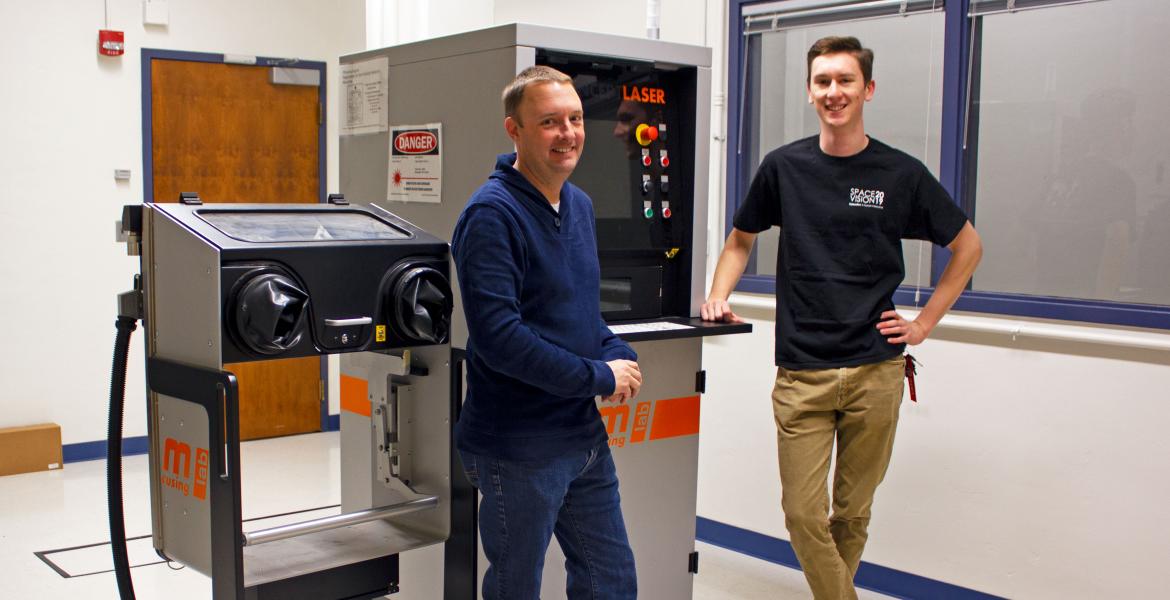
[380, 333]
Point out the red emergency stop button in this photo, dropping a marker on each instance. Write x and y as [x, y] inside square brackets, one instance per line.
[645, 134]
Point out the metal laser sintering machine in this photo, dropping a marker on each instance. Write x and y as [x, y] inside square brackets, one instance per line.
[256, 282]
[645, 165]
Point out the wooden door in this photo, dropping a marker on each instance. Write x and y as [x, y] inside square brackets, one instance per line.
[225, 132]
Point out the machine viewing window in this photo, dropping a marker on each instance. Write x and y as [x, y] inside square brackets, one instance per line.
[307, 226]
[615, 294]
[638, 168]
[1068, 179]
[621, 172]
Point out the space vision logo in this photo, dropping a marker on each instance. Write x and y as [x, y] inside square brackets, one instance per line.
[176, 469]
[866, 198]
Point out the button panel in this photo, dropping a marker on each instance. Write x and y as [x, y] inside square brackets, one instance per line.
[652, 138]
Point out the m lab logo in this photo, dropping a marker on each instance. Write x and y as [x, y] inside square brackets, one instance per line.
[176, 469]
[651, 420]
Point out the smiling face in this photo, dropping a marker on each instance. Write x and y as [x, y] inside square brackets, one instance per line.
[838, 91]
[549, 132]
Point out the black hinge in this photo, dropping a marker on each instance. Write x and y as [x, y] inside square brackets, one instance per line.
[189, 198]
[693, 562]
[701, 382]
[132, 219]
[338, 199]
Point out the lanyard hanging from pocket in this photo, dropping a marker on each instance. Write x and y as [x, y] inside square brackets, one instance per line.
[912, 370]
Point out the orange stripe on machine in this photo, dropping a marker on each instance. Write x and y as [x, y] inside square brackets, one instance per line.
[675, 417]
[355, 395]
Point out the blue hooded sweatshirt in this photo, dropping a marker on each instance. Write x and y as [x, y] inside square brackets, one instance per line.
[537, 346]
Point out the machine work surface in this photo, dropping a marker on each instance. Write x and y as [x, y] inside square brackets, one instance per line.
[675, 328]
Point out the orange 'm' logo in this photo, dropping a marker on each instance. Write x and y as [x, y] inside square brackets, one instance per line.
[616, 418]
[176, 469]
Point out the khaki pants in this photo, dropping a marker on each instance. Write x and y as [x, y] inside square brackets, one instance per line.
[858, 406]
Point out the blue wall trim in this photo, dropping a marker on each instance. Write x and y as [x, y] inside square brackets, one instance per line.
[95, 450]
[140, 445]
[885, 580]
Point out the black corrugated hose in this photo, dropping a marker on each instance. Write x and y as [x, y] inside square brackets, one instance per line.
[125, 325]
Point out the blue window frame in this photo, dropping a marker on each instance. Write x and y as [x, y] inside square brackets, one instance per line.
[961, 65]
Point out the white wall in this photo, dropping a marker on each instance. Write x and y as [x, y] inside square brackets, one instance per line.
[391, 22]
[71, 118]
[1027, 468]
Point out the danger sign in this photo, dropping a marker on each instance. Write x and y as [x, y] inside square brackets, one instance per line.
[416, 163]
[416, 142]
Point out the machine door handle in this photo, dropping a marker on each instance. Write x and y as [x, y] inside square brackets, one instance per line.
[348, 322]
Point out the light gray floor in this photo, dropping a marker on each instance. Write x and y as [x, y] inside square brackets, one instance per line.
[64, 509]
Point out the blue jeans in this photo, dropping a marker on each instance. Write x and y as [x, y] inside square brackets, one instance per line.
[574, 497]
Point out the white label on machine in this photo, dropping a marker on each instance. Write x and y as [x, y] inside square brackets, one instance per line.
[653, 326]
[416, 163]
[364, 86]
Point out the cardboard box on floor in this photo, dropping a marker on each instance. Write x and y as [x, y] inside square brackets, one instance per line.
[31, 448]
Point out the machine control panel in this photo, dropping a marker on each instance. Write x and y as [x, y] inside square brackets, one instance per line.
[639, 123]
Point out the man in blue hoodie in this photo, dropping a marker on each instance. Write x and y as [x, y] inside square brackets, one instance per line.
[538, 353]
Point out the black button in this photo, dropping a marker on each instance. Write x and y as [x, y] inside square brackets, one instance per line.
[557, 222]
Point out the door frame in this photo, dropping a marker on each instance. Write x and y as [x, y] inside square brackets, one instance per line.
[149, 55]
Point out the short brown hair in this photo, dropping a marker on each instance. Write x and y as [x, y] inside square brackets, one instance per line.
[514, 91]
[849, 45]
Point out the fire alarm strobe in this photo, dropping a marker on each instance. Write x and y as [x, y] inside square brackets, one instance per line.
[110, 42]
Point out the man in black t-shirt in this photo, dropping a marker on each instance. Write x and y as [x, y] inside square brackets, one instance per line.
[843, 202]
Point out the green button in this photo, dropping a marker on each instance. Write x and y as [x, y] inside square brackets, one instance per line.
[649, 212]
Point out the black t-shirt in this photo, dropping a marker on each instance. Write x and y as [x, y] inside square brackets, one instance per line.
[841, 223]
